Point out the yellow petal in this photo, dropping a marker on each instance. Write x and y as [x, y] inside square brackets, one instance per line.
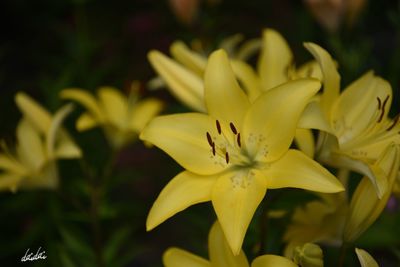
[175, 257]
[9, 181]
[85, 99]
[35, 113]
[47, 178]
[313, 118]
[272, 119]
[331, 77]
[224, 98]
[184, 137]
[371, 148]
[143, 112]
[182, 191]
[357, 105]
[183, 83]
[235, 198]
[115, 106]
[248, 78]
[373, 171]
[230, 43]
[86, 122]
[304, 140]
[188, 58]
[275, 59]
[272, 261]
[9, 164]
[365, 206]
[58, 142]
[67, 149]
[310, 69]
[297, 170]
[31, 147]
[248, 49]
[365, 258]
[220, 253]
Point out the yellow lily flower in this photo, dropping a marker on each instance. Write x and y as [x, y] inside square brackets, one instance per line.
[365, 205]
[334, 219]
[356, 120]
[236, 151]
[365, 258]
[220, 255]
[121, 118]
[40, 142]
[184, 75]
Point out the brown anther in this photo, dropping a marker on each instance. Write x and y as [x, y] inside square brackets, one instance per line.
[227, 157]
[379, 102]
[238, 140]
[218, 127]
[213, 149]
[383, 109]
[233, 128]
[395, 121]
[209, 139]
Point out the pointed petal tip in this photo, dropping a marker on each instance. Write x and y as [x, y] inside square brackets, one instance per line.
[220, 53]
[153, 55]
[177, 45]
[310, 45]
[149, 224]
[21, 98]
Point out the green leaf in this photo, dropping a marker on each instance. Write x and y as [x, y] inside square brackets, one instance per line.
[73, 240]
[115, 243]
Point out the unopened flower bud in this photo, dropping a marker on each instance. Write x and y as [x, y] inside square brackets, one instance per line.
[308, 255]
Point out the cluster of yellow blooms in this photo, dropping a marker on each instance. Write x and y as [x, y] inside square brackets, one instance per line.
[238, 143]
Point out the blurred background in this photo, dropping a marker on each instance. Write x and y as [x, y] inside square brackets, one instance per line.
[48, 45]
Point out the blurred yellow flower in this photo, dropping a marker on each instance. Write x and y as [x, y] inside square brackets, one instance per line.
[220, 255]
[236, 151]
[40, 142]
[121, 118]
[357, 120]
[365, 205]
[319, 221]
[334, 219]
[365, 258]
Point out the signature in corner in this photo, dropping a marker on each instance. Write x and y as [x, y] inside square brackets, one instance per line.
[40, 255]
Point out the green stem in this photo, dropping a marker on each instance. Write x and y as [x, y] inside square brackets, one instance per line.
[342, 254]
[265, 219]
[95, 222]
[263, 228]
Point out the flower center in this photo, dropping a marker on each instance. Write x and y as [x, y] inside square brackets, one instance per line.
[226, 147]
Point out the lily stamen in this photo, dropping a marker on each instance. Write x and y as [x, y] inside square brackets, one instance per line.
[233, 128]
[218, 126]
[209, 139]
[379, 103]
[383, 109]
[395, 121]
